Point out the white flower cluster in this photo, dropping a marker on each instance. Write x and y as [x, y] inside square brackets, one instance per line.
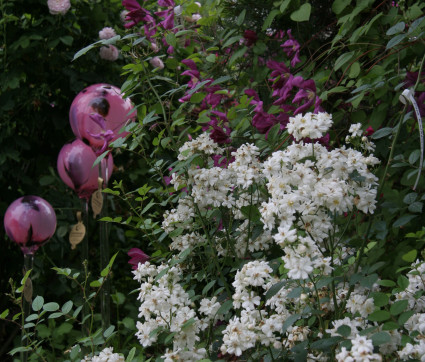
[309, 125]
[202, 144]
[356, 137]
[361, 350]
[107, 355]
[416, 285]
[165, 304]
[307, 183]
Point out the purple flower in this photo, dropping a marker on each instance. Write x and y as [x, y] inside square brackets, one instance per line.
[136, 14]
[137, 256]
[250, 37]
[168, 15]
[292, 49]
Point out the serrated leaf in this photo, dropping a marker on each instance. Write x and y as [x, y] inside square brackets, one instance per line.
[302, 14]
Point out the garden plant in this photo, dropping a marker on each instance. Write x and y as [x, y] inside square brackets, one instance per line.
[260, 194]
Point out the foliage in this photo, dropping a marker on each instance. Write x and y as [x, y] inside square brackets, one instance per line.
[221, 88]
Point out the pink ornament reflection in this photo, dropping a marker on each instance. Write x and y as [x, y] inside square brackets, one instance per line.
[75, 167]
[30, 221]
[98, 113]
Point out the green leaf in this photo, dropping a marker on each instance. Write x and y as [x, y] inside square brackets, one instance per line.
[342, 59]
[67, 40]
[416, 207]
[238, 54]
[197, 97]
[380, 338]
[326, 343]
[404, 317]
[5, 314]
[414, 156]
[188, 323]
[37, 303]
[410, 257]
[339, 5]
[344, 330]
[105, 271]
[100, 158]
[410, 198]
[379, 316]
[402, 282]
[208, 287]
[241, 17]
[64, 328]
[66, 308]
[383, 132]
[84, 50]
[109, 331]
[131, 355]
[19, 349]
[295, 293]
[55, 315]
[386, 283]
[222, 79]
[284, 5]
[171, 39]
[405, 219]
[211, 58]
[290, 321]
[269, 19]
[397, 28]
[354, 70]
[225, 307]
[398, 307]
[390, 325]
[274, 289]
[51, 307]
[302, 14]
[380, 299]
[232, 40]
[394, 41]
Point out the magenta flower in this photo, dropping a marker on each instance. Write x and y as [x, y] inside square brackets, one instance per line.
[292, 49]
[136, 14]
[137, 256]
[250, 37]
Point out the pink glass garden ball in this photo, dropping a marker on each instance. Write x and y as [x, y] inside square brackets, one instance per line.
[30, 221]
[75, 167]
[98, 113]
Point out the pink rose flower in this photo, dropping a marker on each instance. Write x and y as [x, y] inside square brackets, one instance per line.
[58, 7]
[107, 33]
[109, 52]
[156, 62]
[137, 256]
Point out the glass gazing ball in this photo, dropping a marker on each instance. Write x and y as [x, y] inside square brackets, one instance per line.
[30, 221]
[75, 167]
[105, 100]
